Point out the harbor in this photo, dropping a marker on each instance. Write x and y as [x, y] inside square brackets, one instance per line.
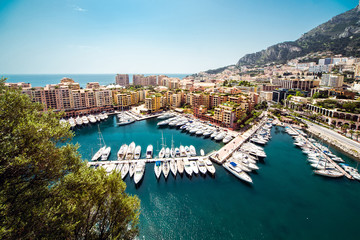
[283, 182]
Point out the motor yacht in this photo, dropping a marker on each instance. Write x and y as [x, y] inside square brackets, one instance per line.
[329, 173]
[202, 167]
[78, 121]
[98, 154]
[177, 152]
[233, 168]
[192, 151]
[188, 168]
[180, 166]
[122, 152]
[130, 151]
[137, 153]
[194, 166]
[210, 167]
[202, 153]
[139, 172]
[220, 136]
[92, 119]
[85, 120]
[149, 151]
[187, 151]
[227, 139]
[72, 122]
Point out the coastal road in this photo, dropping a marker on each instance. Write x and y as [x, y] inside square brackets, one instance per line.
[335, 135]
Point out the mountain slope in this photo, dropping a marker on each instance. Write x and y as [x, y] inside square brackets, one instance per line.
[340, 35]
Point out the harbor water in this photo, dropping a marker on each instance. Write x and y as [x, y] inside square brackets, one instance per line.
[286, 200]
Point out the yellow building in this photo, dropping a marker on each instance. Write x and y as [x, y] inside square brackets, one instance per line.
[153, 103]
[228, 113]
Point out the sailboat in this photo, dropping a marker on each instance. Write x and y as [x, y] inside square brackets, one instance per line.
[102, 146]
[172, 150]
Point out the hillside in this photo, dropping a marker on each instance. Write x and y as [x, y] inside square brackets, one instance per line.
[340, 35]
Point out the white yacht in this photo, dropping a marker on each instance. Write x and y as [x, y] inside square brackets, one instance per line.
[177, 152]
[102, 116]
[187, 151]
[173, 122]
[180, 166]
[227, 139]
[214, 134]
[167, 152]
[238, 172]
[202, 153]
[132, 169]
[201, 166]
[329, 173]
[210, 167]
[92, 119]
[173, 167]
[122, 151]
[130, 151]
[199, 132]
[165, 169]
[97, 118]
[182, 151]
[220, 136]
[124, 170]
[165, 116]
[162, 153]
[188, 167]
[192, 151]
[72, 122]
[78, 121]
[105, 154]
[208, 133]
[85, 120]
[139, 172]
[137, 152]
[149, 151]
[157, 169]
[194, 166]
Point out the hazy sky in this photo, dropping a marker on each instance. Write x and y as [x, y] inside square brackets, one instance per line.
[148, 36]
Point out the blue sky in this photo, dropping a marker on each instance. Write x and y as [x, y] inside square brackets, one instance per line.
[148, 36]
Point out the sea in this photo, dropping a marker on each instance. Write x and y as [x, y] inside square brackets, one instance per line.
[40, 80]
[286, 201]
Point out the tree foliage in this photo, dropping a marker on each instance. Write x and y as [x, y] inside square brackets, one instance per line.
[46, 190]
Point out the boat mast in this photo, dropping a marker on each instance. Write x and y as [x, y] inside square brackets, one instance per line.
[172, 141]
[100, 138]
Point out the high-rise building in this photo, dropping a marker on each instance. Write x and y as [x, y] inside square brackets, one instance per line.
[122, 79]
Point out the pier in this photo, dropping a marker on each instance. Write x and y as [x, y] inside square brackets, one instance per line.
[226, 151]
[323, 154]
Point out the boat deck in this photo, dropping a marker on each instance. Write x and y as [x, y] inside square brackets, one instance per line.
[323, 154]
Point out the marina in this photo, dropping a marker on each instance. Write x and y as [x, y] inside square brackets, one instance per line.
[191, 198]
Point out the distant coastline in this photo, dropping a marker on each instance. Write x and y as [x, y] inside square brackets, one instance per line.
[40, 80]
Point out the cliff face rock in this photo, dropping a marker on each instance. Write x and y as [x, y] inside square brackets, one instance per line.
[340, 35]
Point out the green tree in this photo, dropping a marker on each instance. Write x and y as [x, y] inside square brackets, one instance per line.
[46, 190]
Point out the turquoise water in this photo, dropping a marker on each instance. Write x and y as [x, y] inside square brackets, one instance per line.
[286, 201]
[40, 80]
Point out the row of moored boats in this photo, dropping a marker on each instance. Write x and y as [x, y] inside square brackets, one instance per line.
[244, 161]
[319, 156]
[196, 127]
[85, 120]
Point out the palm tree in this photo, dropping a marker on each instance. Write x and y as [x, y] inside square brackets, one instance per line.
[351, 132]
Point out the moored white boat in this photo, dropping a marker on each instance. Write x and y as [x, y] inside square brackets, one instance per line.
[122, 151]
[192, 151]
[220, 136]
[201, 166]
[105, 154]
[124, 170]
[139, 172]
[182, 151]
[202, 153]
[237, 172]
[132, 169]
[194, 166]
[187, 167]
[210, 167]
[157, 169]
[130, 151]
[137, 153]
[173, 167]
[180, 166]
[98, 154]
[149, 151]
[329, 173]
[162, 153]
[165, 169]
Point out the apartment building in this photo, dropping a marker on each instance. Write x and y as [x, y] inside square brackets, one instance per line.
[153, 103]
[332, 80]
[122, 79]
